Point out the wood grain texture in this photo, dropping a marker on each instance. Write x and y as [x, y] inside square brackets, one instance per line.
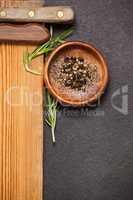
[30, 33]
[21, 125]
[21, 3]
[47, 14]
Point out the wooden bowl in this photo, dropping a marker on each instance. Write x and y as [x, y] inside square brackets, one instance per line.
[70, 96]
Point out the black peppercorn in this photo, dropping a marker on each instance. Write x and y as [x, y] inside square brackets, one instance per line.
[76, 73]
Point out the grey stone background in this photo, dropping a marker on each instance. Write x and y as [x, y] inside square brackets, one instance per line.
[93, 156]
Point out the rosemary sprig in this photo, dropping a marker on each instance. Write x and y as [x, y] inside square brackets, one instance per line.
[51, 114]
[45, 49]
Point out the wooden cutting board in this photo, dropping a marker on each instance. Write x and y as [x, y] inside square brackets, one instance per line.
[21, 123]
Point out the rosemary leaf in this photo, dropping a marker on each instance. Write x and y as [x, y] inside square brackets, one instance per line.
[48, 46]
[51, 114]
[52, 109]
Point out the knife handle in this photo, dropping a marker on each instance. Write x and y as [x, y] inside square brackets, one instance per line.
[31, 33]
[48, 14]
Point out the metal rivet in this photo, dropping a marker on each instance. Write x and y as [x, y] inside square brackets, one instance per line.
[3, 13]
[31, 13]
[60, 14]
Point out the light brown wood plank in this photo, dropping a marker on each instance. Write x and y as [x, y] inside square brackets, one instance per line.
[21, 126]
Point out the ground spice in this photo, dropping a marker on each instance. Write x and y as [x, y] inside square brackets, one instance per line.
[76, 73]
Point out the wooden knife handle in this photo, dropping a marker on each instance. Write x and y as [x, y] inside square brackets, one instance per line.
[33, 33]
[47, 14]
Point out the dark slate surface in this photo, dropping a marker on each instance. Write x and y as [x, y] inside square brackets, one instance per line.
[93, 157]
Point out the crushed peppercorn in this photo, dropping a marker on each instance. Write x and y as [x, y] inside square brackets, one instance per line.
[76, 73]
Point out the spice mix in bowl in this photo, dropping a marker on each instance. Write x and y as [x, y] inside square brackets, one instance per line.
[76, 73]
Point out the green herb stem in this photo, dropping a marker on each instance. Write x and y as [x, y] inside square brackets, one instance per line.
[49, 46]
[51, 119]
[53, 134]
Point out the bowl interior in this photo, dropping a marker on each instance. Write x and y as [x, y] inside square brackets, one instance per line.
[90, 55]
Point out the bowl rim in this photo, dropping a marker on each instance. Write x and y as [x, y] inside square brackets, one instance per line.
[70, 101]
